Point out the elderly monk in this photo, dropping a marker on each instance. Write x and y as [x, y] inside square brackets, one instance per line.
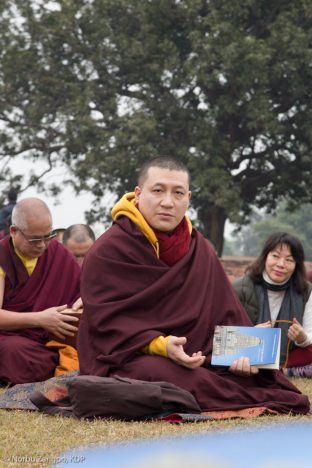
[78, 239]
[153, 290]
[39, 279]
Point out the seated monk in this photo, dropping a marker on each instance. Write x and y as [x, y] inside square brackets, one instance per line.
[153, 291]
[39, 279]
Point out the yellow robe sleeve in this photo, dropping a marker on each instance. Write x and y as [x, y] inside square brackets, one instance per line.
[2, 272]
[157, 347]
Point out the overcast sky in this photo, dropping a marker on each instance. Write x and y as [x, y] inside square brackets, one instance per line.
[68, 208]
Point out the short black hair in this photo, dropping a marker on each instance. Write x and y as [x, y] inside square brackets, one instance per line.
[164, 162]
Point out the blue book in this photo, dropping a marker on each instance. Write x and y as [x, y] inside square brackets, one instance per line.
[260, 344]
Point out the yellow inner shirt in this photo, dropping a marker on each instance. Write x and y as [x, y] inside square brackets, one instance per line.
[29, 263]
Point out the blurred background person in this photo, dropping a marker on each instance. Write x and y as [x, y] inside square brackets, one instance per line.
[5, 212]
[59, 234]
[78, 239]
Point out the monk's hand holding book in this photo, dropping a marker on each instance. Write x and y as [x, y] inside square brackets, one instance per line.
[243, 368]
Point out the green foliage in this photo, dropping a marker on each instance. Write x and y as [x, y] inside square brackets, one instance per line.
[229, 248]
[105, 85]
[297, 222]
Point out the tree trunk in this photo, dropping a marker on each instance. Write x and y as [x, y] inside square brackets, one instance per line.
[213, 220]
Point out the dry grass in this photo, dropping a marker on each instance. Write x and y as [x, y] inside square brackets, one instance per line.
[42, 438]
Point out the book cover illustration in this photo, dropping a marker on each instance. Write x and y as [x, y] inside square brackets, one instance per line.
[260, 344]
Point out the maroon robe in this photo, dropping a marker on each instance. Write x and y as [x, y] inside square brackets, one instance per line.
[131, 297]
[54, 282]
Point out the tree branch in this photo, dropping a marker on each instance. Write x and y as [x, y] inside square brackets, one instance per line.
[35, 178]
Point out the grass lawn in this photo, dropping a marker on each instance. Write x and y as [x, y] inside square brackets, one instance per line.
[29, 436]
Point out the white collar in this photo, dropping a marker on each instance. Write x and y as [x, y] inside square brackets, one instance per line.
[268, 279]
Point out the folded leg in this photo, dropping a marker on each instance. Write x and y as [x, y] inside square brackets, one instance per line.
[23, 360]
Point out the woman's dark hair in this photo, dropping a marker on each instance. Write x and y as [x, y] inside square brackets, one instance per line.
[299, 276]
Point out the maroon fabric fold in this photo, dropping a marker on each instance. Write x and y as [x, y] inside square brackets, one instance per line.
[130, 297]
[300, 356]
[54, 281]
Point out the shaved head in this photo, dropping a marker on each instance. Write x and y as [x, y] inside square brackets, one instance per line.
[31, 227]
[78, 239]
[78, 233]
[28, 210]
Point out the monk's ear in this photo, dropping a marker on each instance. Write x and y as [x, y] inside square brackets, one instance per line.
[13, 229]
[190, 195]
[137, 192]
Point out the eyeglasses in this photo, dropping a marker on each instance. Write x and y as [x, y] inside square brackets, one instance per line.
[36, 240]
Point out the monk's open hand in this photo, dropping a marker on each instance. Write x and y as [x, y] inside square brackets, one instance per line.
[60, 325]
[296, 332]
[177, 354]
[243, 368]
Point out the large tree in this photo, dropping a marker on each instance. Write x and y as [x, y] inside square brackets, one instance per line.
[106, 84]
